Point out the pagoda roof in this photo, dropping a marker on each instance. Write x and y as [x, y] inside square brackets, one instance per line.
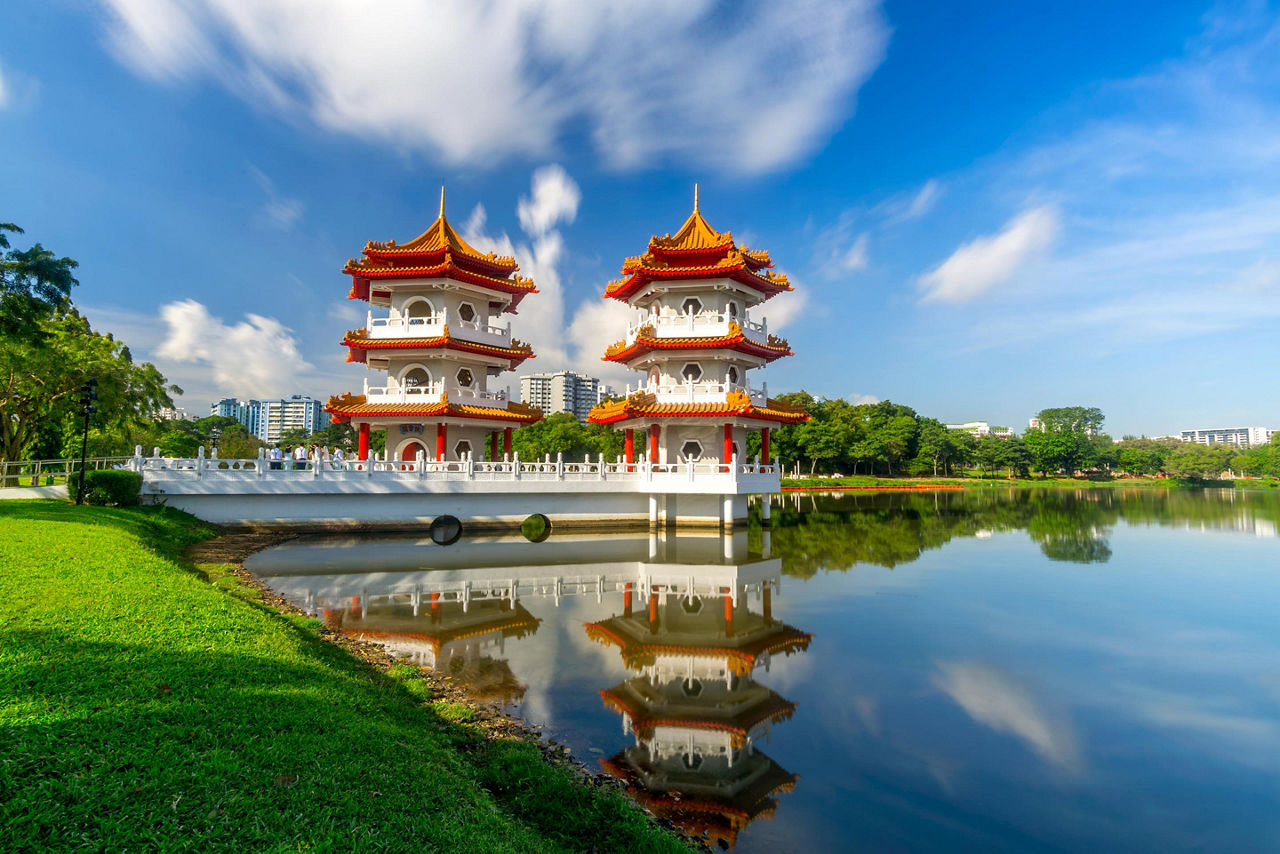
[347, 406]
[359, 342]
[719, 816]
[771, 708]
[697, 251]
[516, 623]
[438, 252]
[647, 342]
[736, 404]
[638, 653]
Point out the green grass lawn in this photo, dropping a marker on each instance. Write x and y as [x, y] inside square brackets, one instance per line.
[147, 703]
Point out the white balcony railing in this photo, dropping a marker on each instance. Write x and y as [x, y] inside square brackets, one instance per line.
[431, 392]
[701, 392]
[432, 325]
[707, 324]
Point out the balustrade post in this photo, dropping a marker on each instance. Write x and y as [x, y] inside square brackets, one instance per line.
[200, 461]
[601, 467]
[515, 466]
[559, 466]
[261, 463]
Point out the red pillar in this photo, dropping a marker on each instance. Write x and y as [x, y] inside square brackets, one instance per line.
[493, 445]
[363, 451]
[654, 430]
[728, 444]
[764, 446]
[631, 447]
[435, 607]
[626, 601]
[768, 605]
[442, 432]
[728, 613]
[653, 612]
[506, 441]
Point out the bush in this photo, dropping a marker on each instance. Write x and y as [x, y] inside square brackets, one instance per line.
[112, 487]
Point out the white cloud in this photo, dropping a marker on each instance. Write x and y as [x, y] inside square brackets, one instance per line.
[860, 399]
[596, 324]
[904, 208]
[257, 357]
[4, 92]
[857, 258]
[994, 700]
[978, 266]
[653, 80]
[555, 197]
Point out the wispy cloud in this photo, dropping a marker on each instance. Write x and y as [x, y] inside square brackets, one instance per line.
[279, 211]
[996, 701]
[913, 206]
[985, 262]
[529, 76]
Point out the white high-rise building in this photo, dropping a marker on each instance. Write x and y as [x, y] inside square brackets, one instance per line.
[565, 391]
[298, 412]
[1241, 437]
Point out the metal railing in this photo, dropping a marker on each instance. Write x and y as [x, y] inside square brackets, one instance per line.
[49, 472]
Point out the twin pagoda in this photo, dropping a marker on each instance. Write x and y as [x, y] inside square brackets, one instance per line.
[442, 347]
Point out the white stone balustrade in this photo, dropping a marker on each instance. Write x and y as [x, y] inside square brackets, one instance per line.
[431, 393]
[708, 324]
[432, 325]
[701, 392]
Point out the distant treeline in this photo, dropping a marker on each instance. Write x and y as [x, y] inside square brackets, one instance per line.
[889, 438]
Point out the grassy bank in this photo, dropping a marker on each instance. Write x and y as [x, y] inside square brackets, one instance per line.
[149, 703]
[1033, 482]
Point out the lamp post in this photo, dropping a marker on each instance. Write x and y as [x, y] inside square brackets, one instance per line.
[88, 394]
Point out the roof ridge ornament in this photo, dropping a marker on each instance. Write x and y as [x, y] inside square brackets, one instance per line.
[442, 201]
[695, 196]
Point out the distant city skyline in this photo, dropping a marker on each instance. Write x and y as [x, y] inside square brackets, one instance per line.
[984, 215]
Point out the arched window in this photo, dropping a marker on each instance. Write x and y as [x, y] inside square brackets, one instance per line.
[415, 377]
[418, 307]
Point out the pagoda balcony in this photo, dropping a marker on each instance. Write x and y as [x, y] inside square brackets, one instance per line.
[703, 324]
[432, 393]
[478, 330]
[701, 392]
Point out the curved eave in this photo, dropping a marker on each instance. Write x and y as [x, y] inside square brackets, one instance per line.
[786, 641]
[624, 289]
[496, 266]
[771, 710]
[519, 625]
[358, 347]
[362, 275]
[739, 343]
[646, 406]
[356, 407]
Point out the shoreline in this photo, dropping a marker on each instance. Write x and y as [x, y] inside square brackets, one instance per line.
[230, 548]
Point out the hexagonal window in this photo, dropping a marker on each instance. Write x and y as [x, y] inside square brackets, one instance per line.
[467, 312]
[691, 451]
[465, 379]
[692, 761]
[692, 305]
[692, 372]
[691, 606]
[733, 310]
[733, 375]
[462, 449]
[691, 687]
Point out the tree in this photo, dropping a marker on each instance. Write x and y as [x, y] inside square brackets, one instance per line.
[1064, 440]
[1193, 461]
[561, 433]
[40, 379]
[934, 444]
[34, 284]
[1072, 419]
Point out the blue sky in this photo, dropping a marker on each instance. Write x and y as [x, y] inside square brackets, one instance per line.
[986, 209]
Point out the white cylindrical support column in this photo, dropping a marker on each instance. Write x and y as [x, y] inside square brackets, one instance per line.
[766, 507]
[653, 510]
[726, 515]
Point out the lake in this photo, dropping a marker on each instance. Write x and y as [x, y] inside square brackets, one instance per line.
[1006, 670]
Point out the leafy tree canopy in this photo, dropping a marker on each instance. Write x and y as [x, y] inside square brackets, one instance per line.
[34, 284]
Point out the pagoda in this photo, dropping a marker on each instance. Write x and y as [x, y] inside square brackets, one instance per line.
[440, 344]
[694, 342]
[695, 710]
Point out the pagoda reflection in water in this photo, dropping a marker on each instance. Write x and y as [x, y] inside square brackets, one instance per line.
[687, 629]
[694, 708]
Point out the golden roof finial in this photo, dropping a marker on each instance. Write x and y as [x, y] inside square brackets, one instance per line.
[442, 201]
[695, 197]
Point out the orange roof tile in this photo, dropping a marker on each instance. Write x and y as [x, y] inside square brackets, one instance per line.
[346, 406]
[736, 403]
[359, 340]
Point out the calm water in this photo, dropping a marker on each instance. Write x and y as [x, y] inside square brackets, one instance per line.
[1015, 671]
